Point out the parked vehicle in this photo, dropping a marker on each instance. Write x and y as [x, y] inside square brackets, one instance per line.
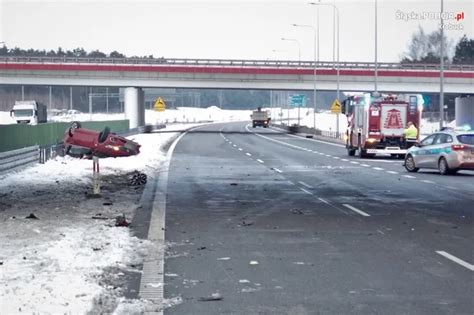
[376, 124]
[260, 118]
[84, 143]
[29, 112]
[448, 151]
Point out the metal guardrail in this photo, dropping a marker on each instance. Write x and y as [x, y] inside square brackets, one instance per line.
[16, 159]
[231, 63]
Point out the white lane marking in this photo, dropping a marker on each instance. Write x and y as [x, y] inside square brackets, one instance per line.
[305, 185]
[354, 162]
[153, 262]
[365, 165]
[392, 172]
[345, 160]
[260, 160]
[456, 260]
[234, 145]
[362, 213]
[428, 181]
[321, 153]
[230, 142]
[323, 200]
[408, 176]
[291, 183]
[277, 170]
[377, 168]
[248, 154]
[306, 191]
[381, 232]
[240, 149]
[328, 155]
[336, 157]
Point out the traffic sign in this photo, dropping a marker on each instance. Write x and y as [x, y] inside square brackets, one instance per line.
[297, 100]
[336, 107]
[160, 105]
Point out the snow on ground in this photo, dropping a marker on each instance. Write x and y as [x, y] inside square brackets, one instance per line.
[179, 115]
[66, 261]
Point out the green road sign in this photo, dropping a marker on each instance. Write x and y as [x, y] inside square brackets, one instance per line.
[297, 100]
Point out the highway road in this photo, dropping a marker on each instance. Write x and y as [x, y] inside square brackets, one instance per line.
[277, 224]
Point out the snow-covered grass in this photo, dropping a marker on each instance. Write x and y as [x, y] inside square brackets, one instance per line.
[66, 261]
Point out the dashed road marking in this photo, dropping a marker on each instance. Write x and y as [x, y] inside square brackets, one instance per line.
[328, 155]
[259, 160]
[428, 181]
[306, 191]
[365, 165]
[408, 176]
[240, 149]
[277, 170]
[305, 185]
[321, 153]
[362, 213]
[456, 260]
[377, 168]
[345, 160]
[248, 154]
[234, 145]
[354, 162]
[323, 200]
[336, 157]
[392, 172]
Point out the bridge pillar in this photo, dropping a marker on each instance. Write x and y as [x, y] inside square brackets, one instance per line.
[134, 99]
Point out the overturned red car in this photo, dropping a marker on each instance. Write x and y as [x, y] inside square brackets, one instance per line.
[84, 143]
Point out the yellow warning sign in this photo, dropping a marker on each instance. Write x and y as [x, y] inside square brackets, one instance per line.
[336, 107]
[160, 105]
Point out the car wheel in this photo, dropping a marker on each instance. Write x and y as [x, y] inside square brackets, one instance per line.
[351, 152]
[410, 164]
[104, 134]
[76, 124]
[443, 167]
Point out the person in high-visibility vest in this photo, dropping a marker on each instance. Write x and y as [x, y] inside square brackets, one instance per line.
[411, 132]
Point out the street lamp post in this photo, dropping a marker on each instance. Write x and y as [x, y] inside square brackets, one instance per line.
[314, 73]
[338, 65]
[441, 72]
[299, 61]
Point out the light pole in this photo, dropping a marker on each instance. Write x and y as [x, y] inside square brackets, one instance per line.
[376, 64]
[314, 72]
[441, 73]
[299, 46]
[338, 66]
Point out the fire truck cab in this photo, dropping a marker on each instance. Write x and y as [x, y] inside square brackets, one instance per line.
[376, 125]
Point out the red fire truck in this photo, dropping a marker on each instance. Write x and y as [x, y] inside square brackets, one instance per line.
[376, 124]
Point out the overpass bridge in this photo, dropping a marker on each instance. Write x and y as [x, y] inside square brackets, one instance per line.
[137, 73]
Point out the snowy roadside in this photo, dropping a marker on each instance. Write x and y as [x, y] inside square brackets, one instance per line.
[72, 259]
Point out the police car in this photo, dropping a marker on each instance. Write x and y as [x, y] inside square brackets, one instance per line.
[448, 150]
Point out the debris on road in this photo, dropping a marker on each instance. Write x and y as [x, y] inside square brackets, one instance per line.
[202, 248]
[253, 262]
[296, 211]
[99, 216]
[138, 178]
[108, 203]
[250, 290]
[32, 216]
[246, 223]
[244, 281]
[233, 184]
[212, 297]
[121, 221]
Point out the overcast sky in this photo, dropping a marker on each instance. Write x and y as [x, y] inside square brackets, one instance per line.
[222, 29]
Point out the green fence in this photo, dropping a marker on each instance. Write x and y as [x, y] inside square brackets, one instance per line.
[19, 136]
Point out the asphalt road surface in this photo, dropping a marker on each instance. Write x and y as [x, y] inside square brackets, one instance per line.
[276, 224]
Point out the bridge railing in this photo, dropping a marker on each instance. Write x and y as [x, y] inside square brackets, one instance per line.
[232, 63]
